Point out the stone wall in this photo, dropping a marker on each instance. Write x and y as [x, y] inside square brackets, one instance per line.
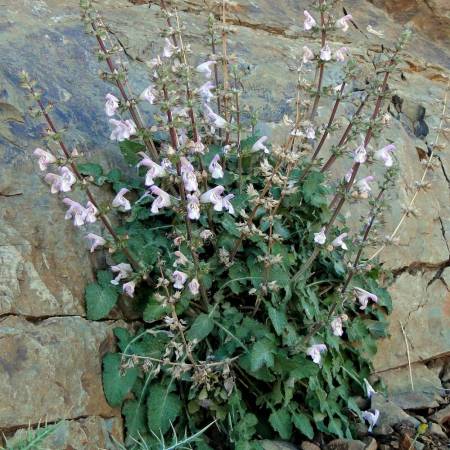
[50, 354]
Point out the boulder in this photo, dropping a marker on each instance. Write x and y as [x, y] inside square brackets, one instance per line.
[390, 413]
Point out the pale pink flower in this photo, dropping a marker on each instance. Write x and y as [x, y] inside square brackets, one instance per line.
[128, 288]
[161, 201]
[74, 153]
[188, 175]
[343, 22]
[111, 105]
[259, 145]
[371, 418]
[369, 389]
[45, 158]
[325, 53]
[205, 68]
[123, 129]
[123, 270]
[360, 154]
[193, 207]
[120, 202]
[169, 48]
[315, 352]
[155, 170]
[61, 183]
[308, 55]
[215, 169]
[348, 175]
[95, 241]
[75, 212]
[310, 133]
[205, 91]
[338, 88]
[181, 259]
[320, 237]
[90, 213]
[363, 184]
[214, 196]
[179, 278]
[309, 21]
[149, 94]
[336, 326]
[384, 154]
[194, 286]
[364, 297]
[339, 242]
[197, 147]
[227, 204]
[206, 234]
[214, 119]
[341, 54]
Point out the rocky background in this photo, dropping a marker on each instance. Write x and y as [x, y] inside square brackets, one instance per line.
[50, 355]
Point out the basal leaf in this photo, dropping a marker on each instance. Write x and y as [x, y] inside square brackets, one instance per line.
[262, 354]
[99, 300]
[281, 423]
[163, 408]
[200, 328]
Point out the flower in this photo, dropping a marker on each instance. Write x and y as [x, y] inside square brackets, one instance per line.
[214, 119]
[124, 129]
[182, 137]
[310, 133]
[343, 22]
[363, 184]
[308, 55]
[205, 68]
[339, 242]
[120, 201]
[227, 204]
[128, 288]
[214, 196]
[320, 237]
[384, 154]
[169, 48]
[155, 170]
[215, 168]
[259, 145]
[61, 183]
[309, 21]
[149, 94]
[315, 352]
[161, 201]
[123, 270]
[96, 241]
[336, 325]
[188, 175]
[193, 207]
[341, 53]
[325, 53]
[181, 259]
[111, 105]
[179, 278]
[197, 146]
[360, 154]
[205, 91]
[369, 389]
[90, 213]
[206, 234]
[364, 297]
[371, 418]
[194, 286]
[45, 158]
[75, 211]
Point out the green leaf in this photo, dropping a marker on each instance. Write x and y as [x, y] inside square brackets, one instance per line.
[99, 300]
[163, 408]
[303, 424]
[94, 170]
[135, 423]
[200, 328]
[281, 422]
[117, 383]
[154, 310]
[130, 150]
[313, 190]
[262, 354]
[279, 320]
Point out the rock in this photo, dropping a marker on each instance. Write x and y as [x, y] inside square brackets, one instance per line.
[309, 446]
[82, 434]
[277, 445]
[442, 416]
[371, 444]
[51, 370]
[434, 428]
[345, 444]
[390, 413]
[382, 430]
[427, 387]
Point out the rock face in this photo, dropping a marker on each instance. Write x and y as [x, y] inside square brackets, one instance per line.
[52, 364]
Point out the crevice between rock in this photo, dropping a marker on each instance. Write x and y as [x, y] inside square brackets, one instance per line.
[39, 319]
